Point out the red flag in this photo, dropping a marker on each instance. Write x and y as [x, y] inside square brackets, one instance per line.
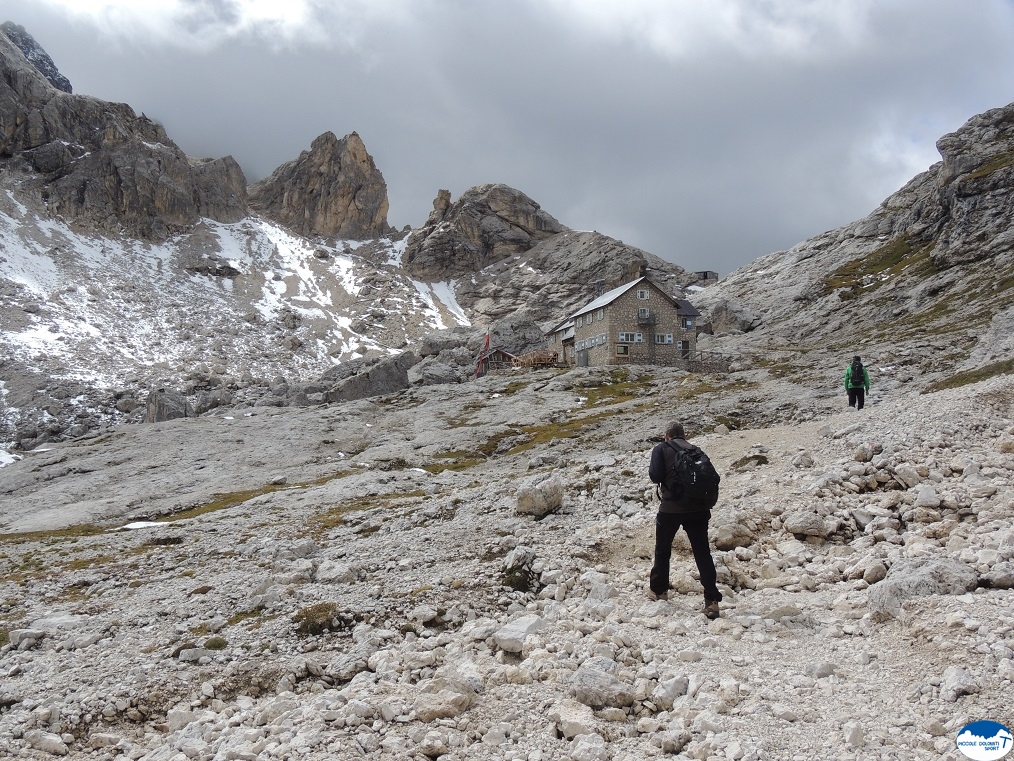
[482, 355]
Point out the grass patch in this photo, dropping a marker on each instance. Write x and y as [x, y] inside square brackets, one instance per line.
[315, 619]
[232, 499]
[324, 616]
[71, 533]
[82, 563]
[967, 377]
[617, 392]
[335, 517]
[993, 165]
[220, 502]
[868, 272]
[245, 615]
[572, 428]
[215, 643]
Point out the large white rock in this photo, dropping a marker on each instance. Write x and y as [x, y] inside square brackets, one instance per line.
[591, 747]
[441, 698]
[572, 718]
[957, 682]
[541, 498]
[47, 742]
[512, 636]
[805, 522]
[334, 572]
[917, 577]
[598, 689]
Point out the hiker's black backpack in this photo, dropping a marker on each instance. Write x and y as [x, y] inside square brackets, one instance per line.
[856, 379]
[691, 479]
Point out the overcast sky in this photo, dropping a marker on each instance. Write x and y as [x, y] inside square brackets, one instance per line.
[708, 133]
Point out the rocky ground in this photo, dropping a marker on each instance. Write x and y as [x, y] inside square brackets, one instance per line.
[372, 580]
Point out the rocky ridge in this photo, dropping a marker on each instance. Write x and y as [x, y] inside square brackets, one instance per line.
[101, 163]
[333, 190]
[36, 55]
[922, 285]
[163, 278]
[486, 225]
[368, 580]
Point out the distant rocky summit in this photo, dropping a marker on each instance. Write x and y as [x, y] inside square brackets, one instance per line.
[35, 55]
[102, 163]
[334, 190]
[562, 273]
[486, 225]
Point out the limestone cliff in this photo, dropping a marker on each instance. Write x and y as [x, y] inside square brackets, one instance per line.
[334, 190]
[932, 267]
[102, 163]
[486, 225]
[36, 55]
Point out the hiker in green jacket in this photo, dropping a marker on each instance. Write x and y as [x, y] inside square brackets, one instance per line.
[857, 382]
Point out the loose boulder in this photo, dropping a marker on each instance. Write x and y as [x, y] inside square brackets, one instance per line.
[916, 578]
[166, 404]
[541, 498]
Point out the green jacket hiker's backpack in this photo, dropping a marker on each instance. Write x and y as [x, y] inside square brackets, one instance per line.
[856, 377]
[691, 479]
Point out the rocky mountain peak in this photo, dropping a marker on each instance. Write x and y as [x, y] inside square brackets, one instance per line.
[487, 224]
[36, 55]
[923, 282]
[334, 190]
[981, 142]
[101, 163]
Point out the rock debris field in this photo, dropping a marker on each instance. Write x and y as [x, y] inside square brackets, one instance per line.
[459, 572]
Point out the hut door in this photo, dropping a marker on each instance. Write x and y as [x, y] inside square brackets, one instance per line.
[582, 358]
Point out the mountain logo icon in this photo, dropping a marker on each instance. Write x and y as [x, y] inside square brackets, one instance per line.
[985, 741]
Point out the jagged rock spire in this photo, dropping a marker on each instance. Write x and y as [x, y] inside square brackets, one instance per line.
[334, 189]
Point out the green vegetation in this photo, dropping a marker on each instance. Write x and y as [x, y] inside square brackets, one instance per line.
[514, 386]
[244, 615]
[312, 621]
[868, 272]
[71, 534]
[82, 563]
[215, 643]
[335, 516]
[967, 377]
[220, 502]
[997, 162]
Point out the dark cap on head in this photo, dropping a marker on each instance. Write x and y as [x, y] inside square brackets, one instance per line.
[856, 358]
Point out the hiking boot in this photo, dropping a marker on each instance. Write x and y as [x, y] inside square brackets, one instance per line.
[711, 609]
[653, 596]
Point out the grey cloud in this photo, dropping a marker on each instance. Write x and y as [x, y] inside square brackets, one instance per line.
[708, 160]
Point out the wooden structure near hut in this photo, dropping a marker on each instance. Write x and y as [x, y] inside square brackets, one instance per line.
[537, 358]
[494, 360]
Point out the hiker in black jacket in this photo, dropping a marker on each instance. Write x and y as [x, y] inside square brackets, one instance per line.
[674, 512]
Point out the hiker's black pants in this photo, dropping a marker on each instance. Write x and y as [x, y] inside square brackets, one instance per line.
[696, 526]
[857, 396]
